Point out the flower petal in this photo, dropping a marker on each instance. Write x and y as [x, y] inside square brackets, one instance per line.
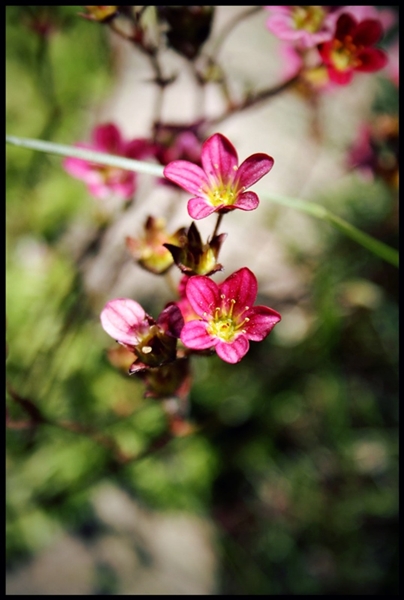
[340, 77]
[233, 352]
[367, 32]
[99, 190]
[121, 319]
[346, 25]
[171, 320]
[241, 286]
[372, 59]
[262, 320]
[77, 167]
[254, 168]
[186, 175]
[219, 157]
[199, 208]
[108, 137]
[138, 148]
[247, 201]
[195, 336]
[202, 294]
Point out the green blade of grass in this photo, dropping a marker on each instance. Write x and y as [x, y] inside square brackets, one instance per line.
[378, 248]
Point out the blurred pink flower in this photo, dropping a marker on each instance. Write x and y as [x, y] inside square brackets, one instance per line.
[219, 186]
[177, 142]
[227, 318]
[361, 155]
[103, 181]
[305, 26]
[374, 153]
[392, 69]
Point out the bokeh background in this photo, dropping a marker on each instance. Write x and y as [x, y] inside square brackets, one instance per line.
[289, 483]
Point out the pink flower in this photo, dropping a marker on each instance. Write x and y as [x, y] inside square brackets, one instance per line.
[153, 342]
[392, 70]
[352, 49]
[103, 181]
[227, 317]
[306, 26]
[219, 186]
[125, 320]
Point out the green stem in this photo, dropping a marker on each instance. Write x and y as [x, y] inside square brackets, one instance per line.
[378, 248]
[90, 155]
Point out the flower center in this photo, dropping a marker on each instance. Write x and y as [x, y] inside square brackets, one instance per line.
[343, 54]
[224, 324]
[309, 18]
[112, 175]
[223, 192]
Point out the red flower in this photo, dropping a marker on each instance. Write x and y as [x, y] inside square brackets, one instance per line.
[219, 186]
[352, 49]
[227, 317]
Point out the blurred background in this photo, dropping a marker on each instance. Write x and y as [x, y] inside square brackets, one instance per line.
[287, 480]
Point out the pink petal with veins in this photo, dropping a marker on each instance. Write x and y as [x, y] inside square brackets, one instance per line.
[262, 320]
[233, 352]
[219, 157]
[186, 175]
[246, 201]
[121, 319]
[242, 286]
[254, 168]
[202, 294]
[199, 208]
[195, 336]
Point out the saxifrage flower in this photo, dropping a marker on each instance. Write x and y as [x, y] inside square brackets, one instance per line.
[153, 342]
[228, 319]
[306, 26]
[352, 49]
[220, 185]
[102, 180]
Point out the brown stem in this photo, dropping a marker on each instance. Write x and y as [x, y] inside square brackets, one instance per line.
[253, 100]
[228, 28]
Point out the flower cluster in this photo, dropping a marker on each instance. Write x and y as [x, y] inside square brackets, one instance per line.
[205, 317]
[326, 45]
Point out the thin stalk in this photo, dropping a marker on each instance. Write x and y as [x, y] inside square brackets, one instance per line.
[378, 248]
[92, 156]
[216, 229]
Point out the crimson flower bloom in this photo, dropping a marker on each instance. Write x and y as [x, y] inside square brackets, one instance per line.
[103, 181]
[227, 317]
[219, 186]
[352, 49]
